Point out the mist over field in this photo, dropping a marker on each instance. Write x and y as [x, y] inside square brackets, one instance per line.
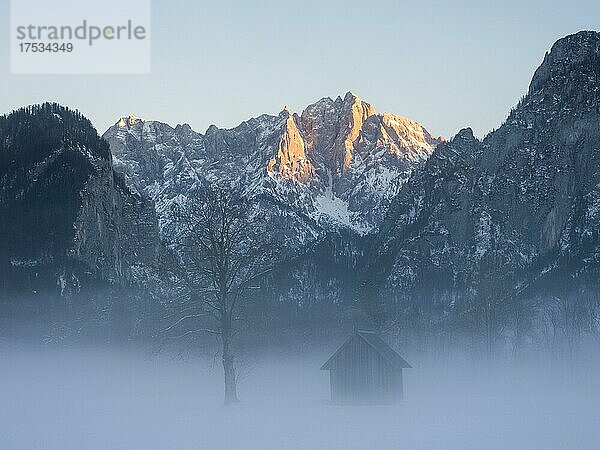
[90, 398]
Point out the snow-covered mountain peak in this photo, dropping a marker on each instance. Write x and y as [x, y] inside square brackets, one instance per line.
[129, 121]
[337, 164]
[406, 138]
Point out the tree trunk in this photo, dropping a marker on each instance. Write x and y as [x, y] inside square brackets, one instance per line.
[229, 370]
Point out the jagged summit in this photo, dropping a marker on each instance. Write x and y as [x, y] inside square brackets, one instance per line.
[351, 95]
[576, 50]
[348, 96]
[336, 155]
[465, 134]
[527, 195]
[348, 100]
[129, 121]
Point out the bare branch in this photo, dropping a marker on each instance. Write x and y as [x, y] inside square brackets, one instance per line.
[191, 316]
[191, 332]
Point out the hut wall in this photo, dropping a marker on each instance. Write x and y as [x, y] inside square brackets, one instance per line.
[360, 375]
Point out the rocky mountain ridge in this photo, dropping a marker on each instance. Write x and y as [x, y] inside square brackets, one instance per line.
[66, 215]
[379, 207]
[336, 165]
[528, 193]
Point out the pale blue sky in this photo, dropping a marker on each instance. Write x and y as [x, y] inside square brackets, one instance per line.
[446, 64]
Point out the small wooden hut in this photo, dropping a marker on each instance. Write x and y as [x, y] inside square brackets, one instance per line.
[365, 370]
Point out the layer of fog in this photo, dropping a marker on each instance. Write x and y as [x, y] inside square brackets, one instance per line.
[104, 399]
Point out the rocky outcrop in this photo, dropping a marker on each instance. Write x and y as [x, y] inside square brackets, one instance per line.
[336, 165]
[332, 129]
[291, 162]
[527, 192]
[66, 215]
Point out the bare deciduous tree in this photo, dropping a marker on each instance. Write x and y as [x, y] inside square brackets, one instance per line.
[223, 252]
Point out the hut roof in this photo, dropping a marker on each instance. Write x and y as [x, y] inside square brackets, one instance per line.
[378, 344]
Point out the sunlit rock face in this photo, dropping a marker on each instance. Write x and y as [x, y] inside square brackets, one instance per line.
[291, 162]
[331, 129]
[335, 166]
[128, 121]
[338, 132]
[529, 191]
